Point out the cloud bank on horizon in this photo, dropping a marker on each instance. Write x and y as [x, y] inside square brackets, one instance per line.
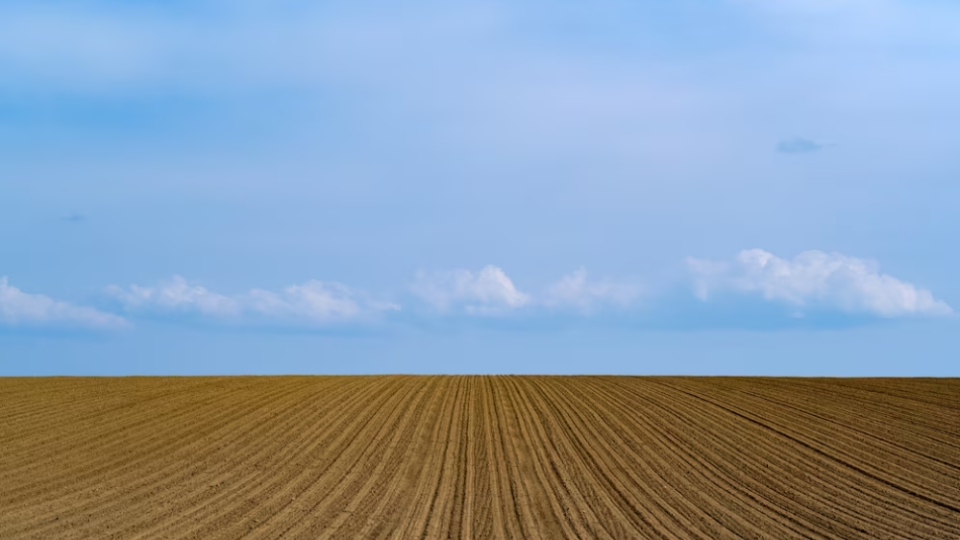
[813, 280]
[313, 303]
[487, 292]
[18, 308]
[577, 291]
[491, 292]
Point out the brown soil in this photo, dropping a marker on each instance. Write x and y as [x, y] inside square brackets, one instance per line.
[479, 457]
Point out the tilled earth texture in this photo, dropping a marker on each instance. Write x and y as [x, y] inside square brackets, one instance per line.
[479, 457]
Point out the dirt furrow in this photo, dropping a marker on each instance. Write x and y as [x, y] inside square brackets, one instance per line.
[843, 448]
[492, 457]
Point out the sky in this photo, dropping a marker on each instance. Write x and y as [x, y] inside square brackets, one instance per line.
[711, 187]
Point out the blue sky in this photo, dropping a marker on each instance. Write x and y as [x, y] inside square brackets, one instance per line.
[700, 186]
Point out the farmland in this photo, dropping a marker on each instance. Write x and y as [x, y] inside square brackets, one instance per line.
[479, 457]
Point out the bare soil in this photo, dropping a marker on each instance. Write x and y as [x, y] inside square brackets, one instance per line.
[479, 457]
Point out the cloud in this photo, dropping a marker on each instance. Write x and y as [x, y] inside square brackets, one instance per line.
[312, 303]
[800, 145]
[489, 291]
[176, 295]
[816, 280]
[20, 308]
[577, 291]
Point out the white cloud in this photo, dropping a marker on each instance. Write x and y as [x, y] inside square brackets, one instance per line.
[20, 308]
[491, 292]
[818, 280]
[176, 295]
[577, 291]
[488, 291]
[313, 302]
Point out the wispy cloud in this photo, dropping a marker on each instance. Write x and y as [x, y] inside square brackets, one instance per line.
[18, 308]
[176, 295]
[311, 303]
[489, 291]
[815, 280]
[800, 145]
[576, 290]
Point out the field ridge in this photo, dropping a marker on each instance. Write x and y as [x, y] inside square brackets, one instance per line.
[425, 457]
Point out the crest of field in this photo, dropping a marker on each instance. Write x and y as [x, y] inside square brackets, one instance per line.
[479, 457]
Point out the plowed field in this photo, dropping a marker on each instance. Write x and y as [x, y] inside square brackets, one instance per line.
[479, 457]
